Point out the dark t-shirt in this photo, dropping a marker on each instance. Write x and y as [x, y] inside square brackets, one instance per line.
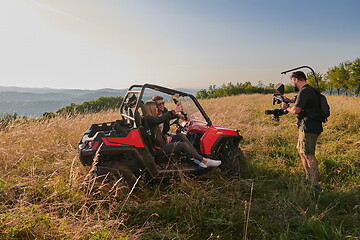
[308, 100]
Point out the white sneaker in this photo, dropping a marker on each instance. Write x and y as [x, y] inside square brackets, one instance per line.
[201, 164]
[212, 163]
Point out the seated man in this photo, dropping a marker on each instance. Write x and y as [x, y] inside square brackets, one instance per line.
[165, 126]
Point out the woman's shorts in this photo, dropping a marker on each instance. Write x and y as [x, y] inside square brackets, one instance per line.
[307, 142]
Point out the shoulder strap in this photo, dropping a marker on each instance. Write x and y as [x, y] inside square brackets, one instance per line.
[318, 94]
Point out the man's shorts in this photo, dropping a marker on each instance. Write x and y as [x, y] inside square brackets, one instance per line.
[307, 142]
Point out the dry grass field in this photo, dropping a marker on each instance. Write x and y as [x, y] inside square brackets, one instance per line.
[42, 196]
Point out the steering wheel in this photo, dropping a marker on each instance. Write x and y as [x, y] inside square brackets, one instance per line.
[183, 126]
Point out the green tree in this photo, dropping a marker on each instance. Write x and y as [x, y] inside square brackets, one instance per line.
[102, 103]
[231, 89]
[344, 76]
[202, 94]
[8, 119]
[320, 80]
[355, 76]
[332, 75]
[288, 88]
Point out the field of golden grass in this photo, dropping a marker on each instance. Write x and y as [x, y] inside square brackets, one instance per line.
[41, 181]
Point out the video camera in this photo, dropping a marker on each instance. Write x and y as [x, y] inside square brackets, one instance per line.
[278, 98]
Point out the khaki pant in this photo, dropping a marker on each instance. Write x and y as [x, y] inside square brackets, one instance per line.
[307, 142]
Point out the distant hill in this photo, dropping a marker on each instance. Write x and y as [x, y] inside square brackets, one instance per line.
[33, 102]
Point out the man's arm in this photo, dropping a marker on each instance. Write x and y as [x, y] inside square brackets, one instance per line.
[293, 110]
[165, 117]
[290, 100]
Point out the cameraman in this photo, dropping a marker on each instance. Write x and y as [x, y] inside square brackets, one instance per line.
[306, 103]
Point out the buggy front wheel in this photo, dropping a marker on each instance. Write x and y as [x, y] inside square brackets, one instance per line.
[233, 160]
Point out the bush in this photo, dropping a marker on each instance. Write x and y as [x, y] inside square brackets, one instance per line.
[239, 88]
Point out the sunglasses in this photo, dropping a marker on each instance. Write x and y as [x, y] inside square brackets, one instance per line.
[159, 104]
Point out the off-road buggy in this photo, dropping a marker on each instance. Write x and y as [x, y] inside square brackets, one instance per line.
[124, 149]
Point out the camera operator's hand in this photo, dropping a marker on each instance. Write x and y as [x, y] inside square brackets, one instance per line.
[284, 105]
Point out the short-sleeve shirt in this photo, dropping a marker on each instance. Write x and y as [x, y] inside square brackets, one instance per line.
[308, 101]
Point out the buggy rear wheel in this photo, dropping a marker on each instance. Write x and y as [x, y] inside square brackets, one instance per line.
[115, 171]
[107, 176]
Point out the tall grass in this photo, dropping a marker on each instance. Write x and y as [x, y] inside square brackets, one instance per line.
[42, 192]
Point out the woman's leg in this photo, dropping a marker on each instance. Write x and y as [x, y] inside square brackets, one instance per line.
[180, 138]
[182, 148]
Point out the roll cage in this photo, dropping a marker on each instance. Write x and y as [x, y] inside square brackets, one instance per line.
[129, 108]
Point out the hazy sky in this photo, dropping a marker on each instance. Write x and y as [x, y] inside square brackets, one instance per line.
[92, 44]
